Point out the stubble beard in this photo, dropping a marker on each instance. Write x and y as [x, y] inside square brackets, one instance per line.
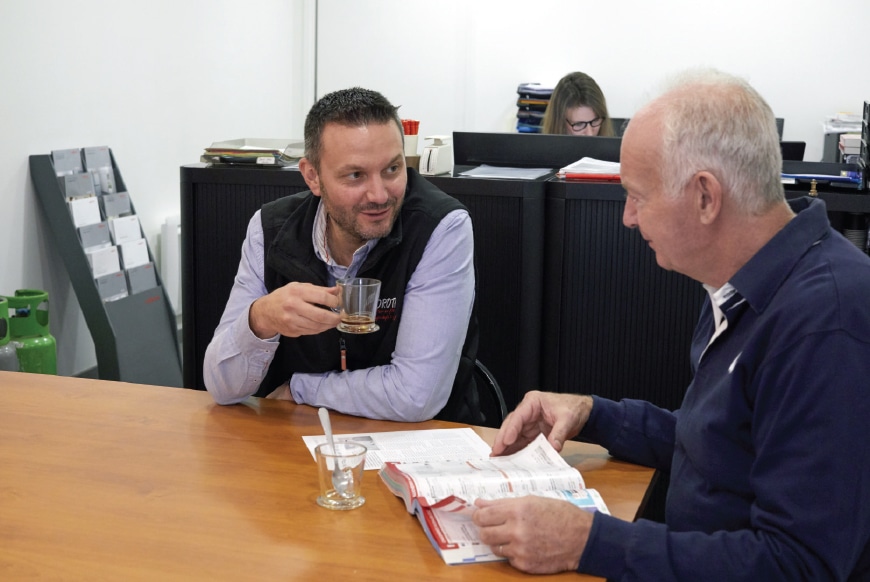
[347, 220]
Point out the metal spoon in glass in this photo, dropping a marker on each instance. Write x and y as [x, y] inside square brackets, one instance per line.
[342, 478]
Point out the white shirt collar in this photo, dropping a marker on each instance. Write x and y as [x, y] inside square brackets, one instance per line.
[321, 248]
[718, 297]
[318, 235]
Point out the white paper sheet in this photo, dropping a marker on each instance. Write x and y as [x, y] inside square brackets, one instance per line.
[125, 228]
[104, 261]
[441, 444]
[590, 166]
[485, 171]
[134, 253]
[85, 211]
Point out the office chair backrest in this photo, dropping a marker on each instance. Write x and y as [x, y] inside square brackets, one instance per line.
[793, 150]
[492, 403]
[619, 125]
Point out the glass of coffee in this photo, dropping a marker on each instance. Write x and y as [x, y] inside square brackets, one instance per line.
[359, 304]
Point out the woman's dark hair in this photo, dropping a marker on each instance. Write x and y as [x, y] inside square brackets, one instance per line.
[576, 90]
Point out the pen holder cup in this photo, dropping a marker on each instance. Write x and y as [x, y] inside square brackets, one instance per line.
[411, 145]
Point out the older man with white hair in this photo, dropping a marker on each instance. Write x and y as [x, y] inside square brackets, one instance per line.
[769, 453]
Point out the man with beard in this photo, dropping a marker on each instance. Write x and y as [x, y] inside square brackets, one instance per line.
[366, 215]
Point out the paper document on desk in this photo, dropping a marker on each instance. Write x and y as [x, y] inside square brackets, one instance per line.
[440, 444]
[590, 167]
[442, 494]
[485, 171]
[257, 152]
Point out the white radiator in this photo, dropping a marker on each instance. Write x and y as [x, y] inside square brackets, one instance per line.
[170, 260]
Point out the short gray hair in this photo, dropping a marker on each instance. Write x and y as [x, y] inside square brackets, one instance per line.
[717, 122]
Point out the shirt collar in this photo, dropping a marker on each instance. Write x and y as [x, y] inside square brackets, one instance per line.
[718, 297]
[761, 277]
[321, 248]
[318, 235]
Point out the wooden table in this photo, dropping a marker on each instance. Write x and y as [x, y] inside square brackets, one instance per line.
[114, 481]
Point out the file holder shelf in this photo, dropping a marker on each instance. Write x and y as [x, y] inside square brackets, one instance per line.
[135, 337]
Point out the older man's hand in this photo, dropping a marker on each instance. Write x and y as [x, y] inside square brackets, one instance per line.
[558, 416]
[536, 534]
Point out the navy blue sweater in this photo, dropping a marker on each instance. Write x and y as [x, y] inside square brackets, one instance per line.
[769, 454]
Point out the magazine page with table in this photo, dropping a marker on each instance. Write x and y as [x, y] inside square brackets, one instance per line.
[442, 493]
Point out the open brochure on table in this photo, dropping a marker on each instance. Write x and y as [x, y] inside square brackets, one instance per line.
[442, 494]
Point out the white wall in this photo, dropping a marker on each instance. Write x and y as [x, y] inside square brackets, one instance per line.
[455, 65]
[157, 82]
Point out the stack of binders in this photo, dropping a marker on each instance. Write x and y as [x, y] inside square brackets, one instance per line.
[864, 156]
[531, 106]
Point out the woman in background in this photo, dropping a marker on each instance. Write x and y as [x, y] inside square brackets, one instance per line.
[577, 107]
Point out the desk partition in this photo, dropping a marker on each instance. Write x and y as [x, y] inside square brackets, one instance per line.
[530, 150]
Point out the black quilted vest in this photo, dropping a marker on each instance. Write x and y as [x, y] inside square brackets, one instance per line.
[287, 229]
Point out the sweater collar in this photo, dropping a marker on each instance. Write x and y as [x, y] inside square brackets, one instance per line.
[761, 277]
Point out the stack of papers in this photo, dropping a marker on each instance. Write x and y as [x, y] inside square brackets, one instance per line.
[485, 171]
[842, 123]
[256, 152]
[850, 143]
[592, 170]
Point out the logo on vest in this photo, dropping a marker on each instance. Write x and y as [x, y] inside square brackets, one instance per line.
[386, 309]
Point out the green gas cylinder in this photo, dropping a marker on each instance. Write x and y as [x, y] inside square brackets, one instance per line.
[28, 324]
[8, 355]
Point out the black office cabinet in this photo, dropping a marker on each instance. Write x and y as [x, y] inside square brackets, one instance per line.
[615, 323]
[848, 204]
[508, 220]
[216, 205]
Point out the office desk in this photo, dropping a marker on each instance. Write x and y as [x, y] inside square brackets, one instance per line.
[113, 481]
